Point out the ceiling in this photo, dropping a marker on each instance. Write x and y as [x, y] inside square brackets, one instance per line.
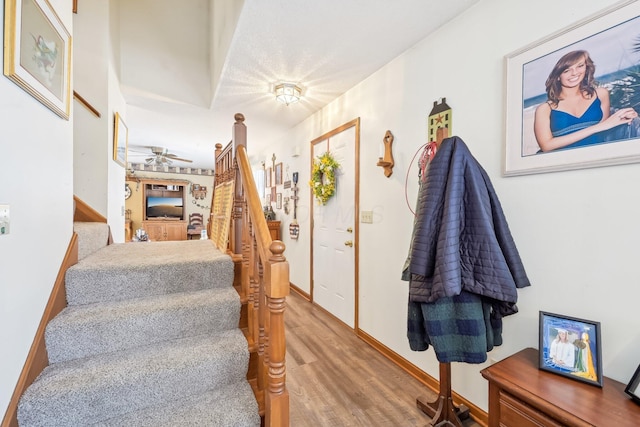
[185, 72]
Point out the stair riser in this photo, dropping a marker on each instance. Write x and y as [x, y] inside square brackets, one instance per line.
[74, 334]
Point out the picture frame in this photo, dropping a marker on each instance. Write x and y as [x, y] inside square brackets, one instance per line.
[267, 178]
[37, 53]
[278, 174]
[633, 388]
[120, 140]
[279, 201]
[610, 39]
[268, 199]
[570, 347]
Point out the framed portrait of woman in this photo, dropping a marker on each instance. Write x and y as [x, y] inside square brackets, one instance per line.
[570, 347]
[573, 98]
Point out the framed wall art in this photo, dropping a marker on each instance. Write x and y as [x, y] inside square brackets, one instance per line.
[599, 59]
[267, 178]
[279, 201]
[120, 140]
[571, 347]
[37, 53]
[278, 174]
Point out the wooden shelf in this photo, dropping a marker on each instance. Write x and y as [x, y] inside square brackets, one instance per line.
[522, 395]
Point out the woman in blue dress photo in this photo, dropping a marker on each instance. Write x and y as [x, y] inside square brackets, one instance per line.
[577, 112]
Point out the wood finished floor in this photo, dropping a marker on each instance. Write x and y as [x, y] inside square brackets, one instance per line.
[336, 379]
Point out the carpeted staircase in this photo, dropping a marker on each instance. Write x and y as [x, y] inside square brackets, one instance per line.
[150, 337]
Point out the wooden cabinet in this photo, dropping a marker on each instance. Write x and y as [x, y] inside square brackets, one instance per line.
[521, 395]
[159, 231]
[164, 210]
[274, 229]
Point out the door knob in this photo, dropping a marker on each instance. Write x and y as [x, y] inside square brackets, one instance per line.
[349, 243]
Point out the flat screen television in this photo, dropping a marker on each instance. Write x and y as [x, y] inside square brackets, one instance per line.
[164, 207]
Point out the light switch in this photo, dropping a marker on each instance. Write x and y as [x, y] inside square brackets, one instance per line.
[4, 219]
[366, 217]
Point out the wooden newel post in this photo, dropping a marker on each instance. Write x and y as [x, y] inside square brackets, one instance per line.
[239, 139]
[277, 289]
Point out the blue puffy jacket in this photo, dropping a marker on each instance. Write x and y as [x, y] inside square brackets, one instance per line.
[461, 239]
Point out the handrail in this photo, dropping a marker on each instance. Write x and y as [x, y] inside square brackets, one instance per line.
[262, 279]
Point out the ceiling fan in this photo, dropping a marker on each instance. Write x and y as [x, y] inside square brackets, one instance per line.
[161, 157]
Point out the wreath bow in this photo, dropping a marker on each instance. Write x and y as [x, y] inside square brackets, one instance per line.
[323, 177]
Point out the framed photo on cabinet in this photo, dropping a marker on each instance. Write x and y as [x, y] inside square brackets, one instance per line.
[633, 388]
[571, 347]
[546, 130]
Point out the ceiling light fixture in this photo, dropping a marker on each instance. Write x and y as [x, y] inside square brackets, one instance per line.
[288, 93]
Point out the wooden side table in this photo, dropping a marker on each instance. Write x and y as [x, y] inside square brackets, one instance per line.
[521, 395]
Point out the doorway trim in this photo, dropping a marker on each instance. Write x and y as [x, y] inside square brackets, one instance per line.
[356, 207]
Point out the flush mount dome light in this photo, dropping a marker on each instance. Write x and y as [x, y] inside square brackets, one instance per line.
[287, 93]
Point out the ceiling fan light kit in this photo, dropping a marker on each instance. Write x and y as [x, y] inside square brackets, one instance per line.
[162, 157]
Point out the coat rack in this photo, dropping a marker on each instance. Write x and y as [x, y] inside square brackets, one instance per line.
[442, 411]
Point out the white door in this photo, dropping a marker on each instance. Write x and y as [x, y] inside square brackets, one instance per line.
[334, 232]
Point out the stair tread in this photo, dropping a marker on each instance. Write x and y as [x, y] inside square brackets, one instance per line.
[134, 270]
[233, 405]
[93, 389]
[85, 330]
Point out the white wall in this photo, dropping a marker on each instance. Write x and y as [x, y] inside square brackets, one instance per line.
[98, 179]
[36, 159]
[91, 150]
[577, 231]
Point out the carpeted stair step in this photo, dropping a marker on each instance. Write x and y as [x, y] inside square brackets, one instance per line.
[234, 405]
[88, 330]
[90, 390]
[92, 236]
[134, 270]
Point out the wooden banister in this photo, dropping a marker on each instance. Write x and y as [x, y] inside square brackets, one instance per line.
[262, 279]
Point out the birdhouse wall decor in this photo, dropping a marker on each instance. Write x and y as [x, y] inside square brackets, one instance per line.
[439, 118]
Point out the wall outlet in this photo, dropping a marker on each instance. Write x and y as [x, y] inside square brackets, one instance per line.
[366, 217]
[4, 219]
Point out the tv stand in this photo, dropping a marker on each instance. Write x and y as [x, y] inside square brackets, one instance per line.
[165, 228]
[161, 230]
